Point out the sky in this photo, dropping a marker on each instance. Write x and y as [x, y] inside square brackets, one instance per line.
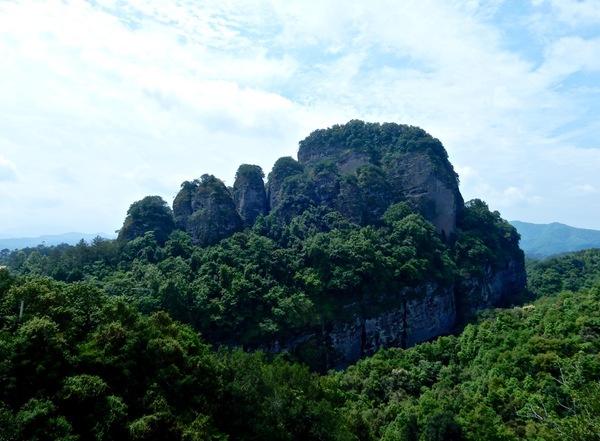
[104, 102]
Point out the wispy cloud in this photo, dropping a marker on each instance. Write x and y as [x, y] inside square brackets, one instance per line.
[8, 171]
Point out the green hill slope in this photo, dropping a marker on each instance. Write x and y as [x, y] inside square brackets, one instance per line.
[543, 240]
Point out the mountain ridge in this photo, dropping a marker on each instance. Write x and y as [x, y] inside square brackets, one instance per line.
[545, 240]
[70, 238]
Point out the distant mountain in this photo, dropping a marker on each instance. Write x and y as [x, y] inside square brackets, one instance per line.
[543, 240]
[51, 239]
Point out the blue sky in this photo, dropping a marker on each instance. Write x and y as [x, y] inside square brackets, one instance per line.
[104, 102]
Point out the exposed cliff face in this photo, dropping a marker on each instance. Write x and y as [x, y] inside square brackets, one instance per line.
[430, 188]
[493, 288]
[182, 205]
[402, 319]
[358, 169]
[392, 163]
[387, 320]
[426, 312]
[205, 209]
[284, 168]
[249, 193]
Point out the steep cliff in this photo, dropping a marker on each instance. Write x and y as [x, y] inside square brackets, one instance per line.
[399, 319]
[205, 209]
[392, 163]
[432, 189]
[249, 193]
[182, 205]
[284, 169]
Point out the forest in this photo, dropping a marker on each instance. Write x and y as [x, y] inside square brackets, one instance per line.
[84, 363]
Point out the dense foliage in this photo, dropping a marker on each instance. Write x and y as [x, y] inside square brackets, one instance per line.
[381, 142]
[272, 280]
[112, 340]
[80, 363]
[569, 272]
[528, 373]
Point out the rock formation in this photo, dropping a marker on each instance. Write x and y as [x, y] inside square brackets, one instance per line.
[151, 214]
[394, 163]
[249, 193]
[284, 168]
[359, 170]
[182, 205]
[206, 210]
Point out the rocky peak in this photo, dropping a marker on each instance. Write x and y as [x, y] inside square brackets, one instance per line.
[283, 169]
[205, 209]
[182, 205]
[392, 163]
[249, 193]
[151, 214]
[358, 169]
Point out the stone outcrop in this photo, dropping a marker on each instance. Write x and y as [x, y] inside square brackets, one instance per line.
[392, 163]
[284, 168]
[249, 193]
[182, 205]
[149, 215]
[431, 189]
[493, 288]
[425, 312]
[402, 319]
[386, 320]
[205, 209]
[358, 169]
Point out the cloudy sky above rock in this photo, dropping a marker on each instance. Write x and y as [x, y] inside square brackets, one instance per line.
[104, 102]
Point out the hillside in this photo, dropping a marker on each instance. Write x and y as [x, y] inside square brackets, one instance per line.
[363, 242]
[543, 240]
[109, 372]
[573, 272]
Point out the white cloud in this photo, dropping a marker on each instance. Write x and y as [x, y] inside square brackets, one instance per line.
[584, 189]
[8, 171]
[574, 12]
[568, 55]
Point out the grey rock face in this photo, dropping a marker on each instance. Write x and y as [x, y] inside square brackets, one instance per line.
[426, 312]
[205, 209]
[249, 193]
[494, 288]
[430, 189]
[411, 316]
[406, 318]
[283, 169]
[414, 167]
[359, 170]
[182, 205]
[326, 183]
[346, 160]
